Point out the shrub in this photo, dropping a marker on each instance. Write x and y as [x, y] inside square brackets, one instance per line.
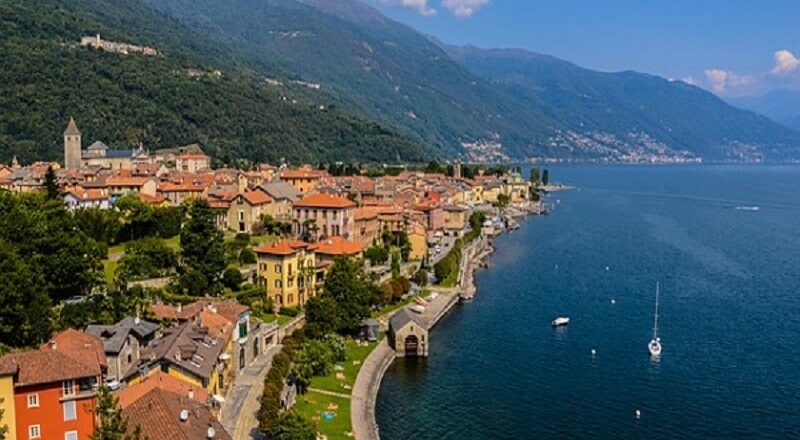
[338, 346]
[232, 278]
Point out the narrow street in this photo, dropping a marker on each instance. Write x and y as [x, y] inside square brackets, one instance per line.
[241, 405]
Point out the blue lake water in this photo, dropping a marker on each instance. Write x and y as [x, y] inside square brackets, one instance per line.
[730, 317]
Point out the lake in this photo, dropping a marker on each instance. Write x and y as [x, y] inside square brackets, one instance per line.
[729, 316]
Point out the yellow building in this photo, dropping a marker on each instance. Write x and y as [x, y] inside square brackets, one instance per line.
[419, 242]
[7, 401]
[288, 271]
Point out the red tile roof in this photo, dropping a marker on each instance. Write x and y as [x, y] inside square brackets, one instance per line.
[163, 381]
[324, 201]
[158, 413]
[46, 366]
[338, 246]
[256, 197]
[283, 247]
[83, 347]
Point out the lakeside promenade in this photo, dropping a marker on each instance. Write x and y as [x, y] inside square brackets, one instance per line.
[368, 381]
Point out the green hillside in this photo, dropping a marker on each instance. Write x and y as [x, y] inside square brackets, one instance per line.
[46, 77]
[535, 105]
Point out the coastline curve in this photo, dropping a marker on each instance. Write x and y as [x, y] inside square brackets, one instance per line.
[365, 391]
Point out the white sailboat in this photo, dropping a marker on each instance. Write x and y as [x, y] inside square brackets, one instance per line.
[655, 344]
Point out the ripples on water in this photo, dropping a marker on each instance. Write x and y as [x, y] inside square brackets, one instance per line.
[730, 317]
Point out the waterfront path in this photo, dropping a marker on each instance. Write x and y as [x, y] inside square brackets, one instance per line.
[365, 391]
[241, 405]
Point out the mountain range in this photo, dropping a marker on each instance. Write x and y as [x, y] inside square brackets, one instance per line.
[391, 90]
[780, 105]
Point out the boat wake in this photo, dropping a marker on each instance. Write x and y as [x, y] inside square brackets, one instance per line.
[748, 208]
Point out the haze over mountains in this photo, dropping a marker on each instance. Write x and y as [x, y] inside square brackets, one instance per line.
[413, 97]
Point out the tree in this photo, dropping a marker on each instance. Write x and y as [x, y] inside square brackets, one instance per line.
[270, 407]
[546, 177]
[351, 289]
[102, 225]
[24, 304]
[322, 315]
[3, 428]
[113, 425]
[202, 245]
[137, 218]
[535, 175]
[232, 278]
[421, 278]
[314, 358]
[146, 258]
[503, 200]
[168, 221]
[293, 426]
[338, 346]
[51, 189]
[377, 254]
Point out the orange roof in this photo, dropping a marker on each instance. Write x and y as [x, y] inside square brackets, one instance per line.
[164, 311]
[162, 381]
[217, 325]
[83, 347]
[180, 187]
[126, 181]
[283, 247]
[195, 156]
[256, 197]
[338, 246]
[324, 201]
[155, 200]
[45, 366]
[365, 213]
[301, 174]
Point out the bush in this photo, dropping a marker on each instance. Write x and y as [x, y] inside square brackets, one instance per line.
[377, 254]
[281, 363]
[292, 426]
[232, 278]
[338, 346]
[289, 311]
[421, 278]
[247, 256]
[268, 412]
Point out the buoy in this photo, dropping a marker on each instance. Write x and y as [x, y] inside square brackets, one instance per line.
[613, 301]
[638, 414]
[594, 352]
[608, 268]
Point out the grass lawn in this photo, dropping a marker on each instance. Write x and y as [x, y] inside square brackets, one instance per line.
[451, 279]
[256, 240]
[109, 269]
[313, 405]
[280, 319]
[350, 371]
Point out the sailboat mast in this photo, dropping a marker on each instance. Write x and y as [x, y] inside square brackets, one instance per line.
[655, 319]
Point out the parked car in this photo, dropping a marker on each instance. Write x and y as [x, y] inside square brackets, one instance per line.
[112, 384]
[77, 299]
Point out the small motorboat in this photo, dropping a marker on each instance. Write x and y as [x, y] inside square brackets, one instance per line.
[654, 346]
[561, 321]
[416, 308]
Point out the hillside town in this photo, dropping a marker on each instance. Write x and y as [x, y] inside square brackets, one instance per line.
[174, 365]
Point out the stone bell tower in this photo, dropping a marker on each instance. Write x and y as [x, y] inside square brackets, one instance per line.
[72, 146]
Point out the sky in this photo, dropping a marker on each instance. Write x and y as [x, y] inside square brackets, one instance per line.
[731, 47]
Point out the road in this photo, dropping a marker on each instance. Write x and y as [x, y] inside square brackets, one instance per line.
[446, 245]
[241, 405]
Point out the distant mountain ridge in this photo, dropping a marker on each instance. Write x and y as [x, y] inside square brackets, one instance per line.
[534, 105]
[671, 116]
[782, 106]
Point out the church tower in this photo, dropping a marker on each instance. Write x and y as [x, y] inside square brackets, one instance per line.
[72, 146]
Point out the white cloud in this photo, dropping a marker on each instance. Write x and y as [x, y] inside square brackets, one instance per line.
[726, 81]
[785, 62]
[422, 7]
[463, 8]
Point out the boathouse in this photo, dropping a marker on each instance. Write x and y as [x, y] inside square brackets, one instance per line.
[408, 335]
